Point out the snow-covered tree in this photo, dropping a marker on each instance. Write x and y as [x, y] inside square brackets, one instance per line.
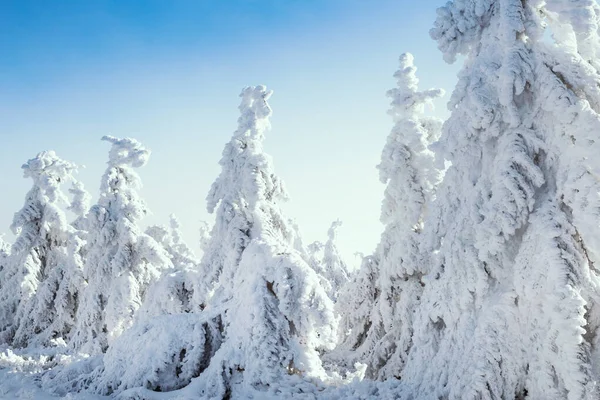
[274, 312]
[170, 238]
[4, 253]
[173, 292]
[80, 203]
[204, 235]
[270, 313]
[328, 263]
[31, 303]
[381, 325]
[4, 270]
[121, 261]
[356, 303]
[336, 269]
[510, 307]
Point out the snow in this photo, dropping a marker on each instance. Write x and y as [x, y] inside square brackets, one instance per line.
[484, 284]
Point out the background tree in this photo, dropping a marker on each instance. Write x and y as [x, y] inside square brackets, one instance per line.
[328, 263]
[383, 331]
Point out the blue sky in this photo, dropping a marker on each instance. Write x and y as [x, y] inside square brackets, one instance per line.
[169, 73]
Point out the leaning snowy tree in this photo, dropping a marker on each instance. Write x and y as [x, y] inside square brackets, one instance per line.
[262, 315]
[381, 334]
[31, 297]
[121, 261]
[510, 307]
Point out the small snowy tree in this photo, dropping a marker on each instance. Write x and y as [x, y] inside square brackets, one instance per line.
[381, 333]
[510, 307]
[328, 263]
[170, 238]
[30, 301]
[336, 270]
[204, 235]
[356, 303]
[121, 260]
[173, 292]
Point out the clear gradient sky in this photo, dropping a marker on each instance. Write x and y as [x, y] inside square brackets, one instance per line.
[169, 73]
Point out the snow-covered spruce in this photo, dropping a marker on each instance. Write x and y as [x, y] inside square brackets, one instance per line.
[381, 324]
[172, 293]
[121, 261]
[171, 239]
[262, 314]
[510, 307]
[37, 304]
[204, 235]
[326, 260]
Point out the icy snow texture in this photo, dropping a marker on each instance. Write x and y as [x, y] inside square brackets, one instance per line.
[121, 261]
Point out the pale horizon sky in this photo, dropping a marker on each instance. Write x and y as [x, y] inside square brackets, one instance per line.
[169, 75]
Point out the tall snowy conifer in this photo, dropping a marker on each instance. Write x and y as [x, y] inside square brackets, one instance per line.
[30, 311]
[381, 334]
[274, 312]
[121, 260]
[510, 307]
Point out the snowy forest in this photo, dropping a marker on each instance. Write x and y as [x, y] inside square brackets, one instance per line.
[483, 284]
